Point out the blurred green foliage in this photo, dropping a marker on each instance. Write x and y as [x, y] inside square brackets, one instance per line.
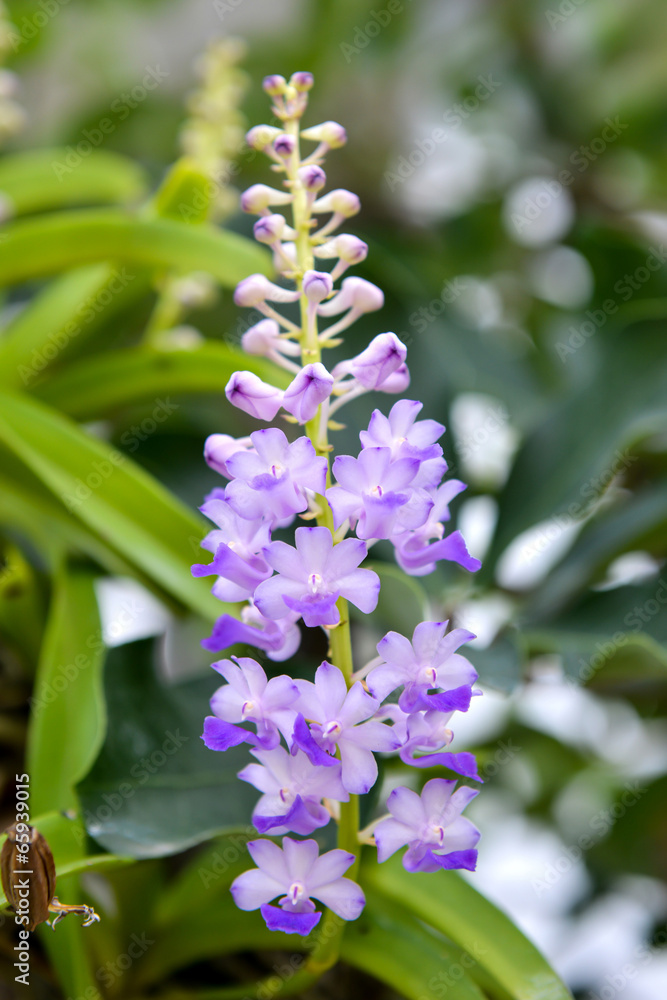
[109, 383]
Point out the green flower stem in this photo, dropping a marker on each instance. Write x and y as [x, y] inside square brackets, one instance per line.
[326, 951]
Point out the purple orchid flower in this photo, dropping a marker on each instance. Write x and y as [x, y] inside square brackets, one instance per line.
[428, 662]
[249, 697]
[279, 639]
[424, 732]
[275, 480]
[408, 437]
[341, 718]
[431, 826]
[299, 872]
[293, 790]
[376, 493]
[427, 732]
[415, 551]
[236, 544]
[314, 575]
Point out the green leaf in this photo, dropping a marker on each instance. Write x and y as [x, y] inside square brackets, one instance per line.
[29, 508]
[62, 316]
[402, 604]
[446, 902]
[99, 385]
[155, 789]
[34, 248]
[565, 464]
[205, 878]
[185, 194]
[615, 641]
[499, 665]
[105, 490]
[68, 719]
[635, 521]
[22, 609]
[388, 943]
[44, 179]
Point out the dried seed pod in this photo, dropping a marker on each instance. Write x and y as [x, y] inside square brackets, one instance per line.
[29, 879]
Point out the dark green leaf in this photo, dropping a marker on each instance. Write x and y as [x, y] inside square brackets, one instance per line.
[156, 789]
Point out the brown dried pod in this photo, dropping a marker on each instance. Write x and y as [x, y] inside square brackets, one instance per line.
[29, 879]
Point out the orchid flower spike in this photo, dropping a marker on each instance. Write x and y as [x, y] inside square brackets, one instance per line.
[315, 741]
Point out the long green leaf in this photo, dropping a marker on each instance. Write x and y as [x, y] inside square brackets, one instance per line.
[28, 507]
[56, 178]
[388, 943]
[44, 245]
[61, 316]
[155, 789]
[564, 465]
[92, 387]
[449, 904]
[68, 717]
[106, 491]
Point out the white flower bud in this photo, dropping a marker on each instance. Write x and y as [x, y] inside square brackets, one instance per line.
[333, 134]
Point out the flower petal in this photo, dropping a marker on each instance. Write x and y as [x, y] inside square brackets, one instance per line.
[390, 835]
[343, 896]
[289, 923]
[254, 888]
